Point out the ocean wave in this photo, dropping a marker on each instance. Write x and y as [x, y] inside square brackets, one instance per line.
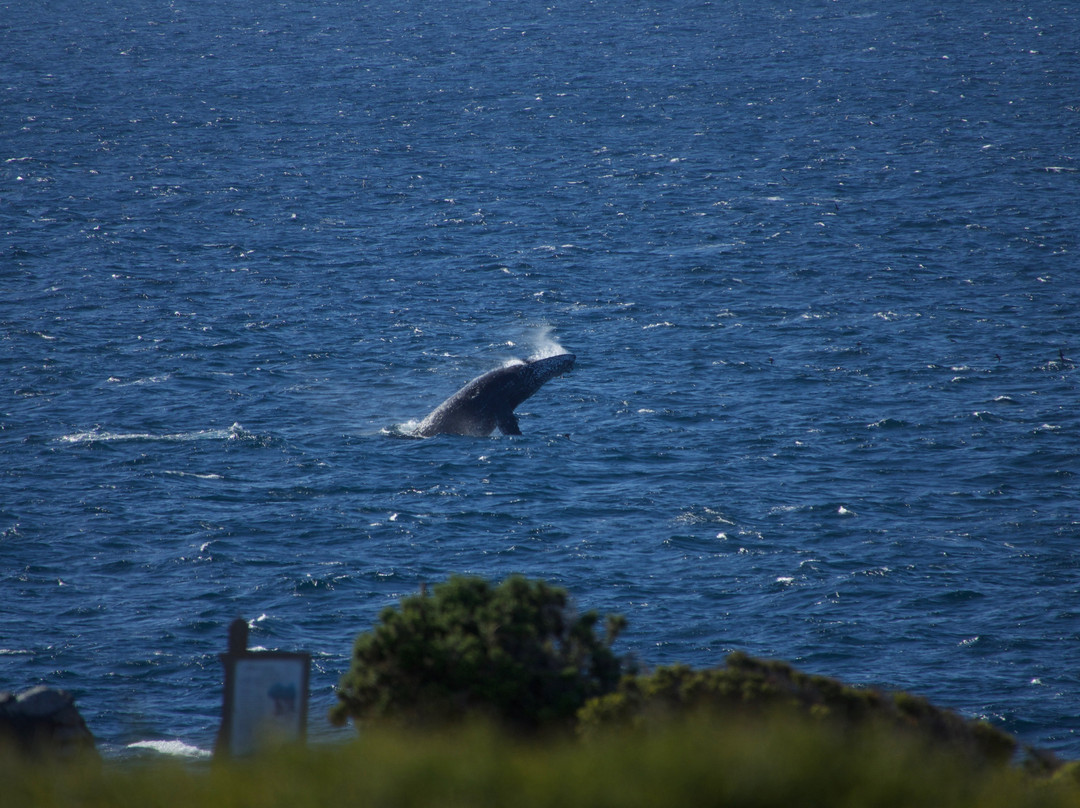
[96, 435]
[171, 748]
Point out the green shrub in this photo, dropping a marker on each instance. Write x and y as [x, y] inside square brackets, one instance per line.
[514, 653]
[752, 686]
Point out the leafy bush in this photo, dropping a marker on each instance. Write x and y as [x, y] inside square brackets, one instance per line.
[748, 685]
[514, 653]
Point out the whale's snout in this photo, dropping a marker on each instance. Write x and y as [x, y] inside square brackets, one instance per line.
[542, 370]
[551, 366]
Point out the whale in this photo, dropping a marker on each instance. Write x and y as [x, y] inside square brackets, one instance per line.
[488, 401]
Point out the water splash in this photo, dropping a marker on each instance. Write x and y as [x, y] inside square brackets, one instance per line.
[544, 343]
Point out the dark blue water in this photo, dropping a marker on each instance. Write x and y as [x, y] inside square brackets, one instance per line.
[819, 267]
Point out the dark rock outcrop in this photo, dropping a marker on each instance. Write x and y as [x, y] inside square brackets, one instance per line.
[45, 721]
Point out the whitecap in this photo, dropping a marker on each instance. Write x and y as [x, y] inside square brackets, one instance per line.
[206, 476]
[173, 748]
[97, 435]
[163, 377]
[783, 508]
[886, 423]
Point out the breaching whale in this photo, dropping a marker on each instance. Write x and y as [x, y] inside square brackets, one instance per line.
[488, 401]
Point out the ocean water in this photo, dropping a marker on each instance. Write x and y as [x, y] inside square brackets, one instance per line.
[819, 266]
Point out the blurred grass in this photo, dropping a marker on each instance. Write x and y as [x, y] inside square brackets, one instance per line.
[694, 762]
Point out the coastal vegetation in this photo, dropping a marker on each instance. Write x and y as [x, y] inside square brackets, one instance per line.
[477, 694]
[775, 761]
[747, 689]
[515, 653]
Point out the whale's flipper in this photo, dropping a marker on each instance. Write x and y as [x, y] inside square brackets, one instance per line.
[488, 401]
[508, 423]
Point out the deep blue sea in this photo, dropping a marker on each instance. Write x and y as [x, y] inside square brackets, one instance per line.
[819, 265]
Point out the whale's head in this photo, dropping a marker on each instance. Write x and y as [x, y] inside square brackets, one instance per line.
[542, 370]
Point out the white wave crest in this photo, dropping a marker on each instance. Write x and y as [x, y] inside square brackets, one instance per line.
[96, 435]
[173, 748]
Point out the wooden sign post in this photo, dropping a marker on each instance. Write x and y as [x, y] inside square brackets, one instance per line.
[265, 698]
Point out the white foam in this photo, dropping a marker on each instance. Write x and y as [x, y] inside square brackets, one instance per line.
[96, 435]
[173, 748]
[164, 377]
[207, 476]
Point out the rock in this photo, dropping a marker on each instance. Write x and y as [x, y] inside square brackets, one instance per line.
[44, 720]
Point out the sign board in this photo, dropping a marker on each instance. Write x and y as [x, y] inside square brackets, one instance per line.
[265, 698]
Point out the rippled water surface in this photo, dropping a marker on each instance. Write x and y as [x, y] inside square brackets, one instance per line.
[819, 268]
